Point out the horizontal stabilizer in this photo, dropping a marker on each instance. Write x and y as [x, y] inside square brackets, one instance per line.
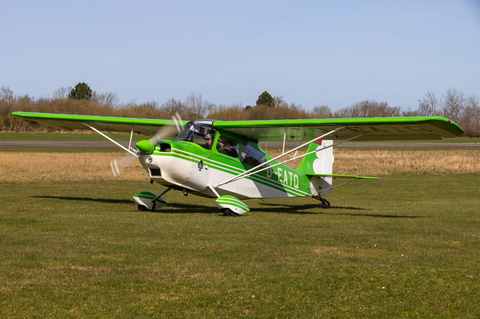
[342, 176]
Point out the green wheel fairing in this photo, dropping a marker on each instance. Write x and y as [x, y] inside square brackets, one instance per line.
[149, 195]
[233, 201]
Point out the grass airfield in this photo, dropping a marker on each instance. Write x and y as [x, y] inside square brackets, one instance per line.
[406, 245]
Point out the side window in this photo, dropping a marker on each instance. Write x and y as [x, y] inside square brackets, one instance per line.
[227, 146]
[252, 156]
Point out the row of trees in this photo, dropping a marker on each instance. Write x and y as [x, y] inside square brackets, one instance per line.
[454, 104]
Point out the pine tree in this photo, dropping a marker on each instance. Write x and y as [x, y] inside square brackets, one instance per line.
[265, 99]
[81, 91]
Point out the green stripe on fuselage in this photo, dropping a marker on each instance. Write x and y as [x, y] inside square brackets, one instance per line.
[195, 153]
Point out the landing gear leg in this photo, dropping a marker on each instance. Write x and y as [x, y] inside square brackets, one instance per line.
[325, 203]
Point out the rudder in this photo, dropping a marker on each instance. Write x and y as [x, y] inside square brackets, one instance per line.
[320, 162]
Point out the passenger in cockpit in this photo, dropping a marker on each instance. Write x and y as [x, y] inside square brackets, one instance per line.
[228, 149]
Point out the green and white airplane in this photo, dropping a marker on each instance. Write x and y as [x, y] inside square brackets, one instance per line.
[222, 159]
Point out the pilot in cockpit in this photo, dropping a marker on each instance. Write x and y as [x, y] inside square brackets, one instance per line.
[208, 141]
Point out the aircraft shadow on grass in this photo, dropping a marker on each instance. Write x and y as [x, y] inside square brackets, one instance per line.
[175, 208]
[326, 211]
[89, 199]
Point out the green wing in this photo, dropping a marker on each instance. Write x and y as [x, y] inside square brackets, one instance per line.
[113, 124]
[374, 129]
[388, 128]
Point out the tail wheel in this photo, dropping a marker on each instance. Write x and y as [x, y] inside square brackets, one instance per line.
[325, 204]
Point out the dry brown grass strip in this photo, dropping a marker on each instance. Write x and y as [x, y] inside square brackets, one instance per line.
[382, 162]
[38, 166]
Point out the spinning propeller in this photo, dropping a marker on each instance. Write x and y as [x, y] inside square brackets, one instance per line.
[118, 165]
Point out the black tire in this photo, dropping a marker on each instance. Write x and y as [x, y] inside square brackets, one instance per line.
[229, 212]
[325, 203]
[142, 208]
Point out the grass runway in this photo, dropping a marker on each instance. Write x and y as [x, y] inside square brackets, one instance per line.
[403, 246]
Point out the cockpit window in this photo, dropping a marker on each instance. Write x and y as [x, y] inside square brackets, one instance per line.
[227, 146]
[195, 131]
[251, 155]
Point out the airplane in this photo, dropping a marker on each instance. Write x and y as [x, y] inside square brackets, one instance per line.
[222, 159]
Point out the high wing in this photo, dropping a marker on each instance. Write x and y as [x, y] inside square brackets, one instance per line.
[370, 129]
[362, 129]
[70, 122]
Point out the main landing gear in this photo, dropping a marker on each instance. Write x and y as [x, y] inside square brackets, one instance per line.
[325, 203]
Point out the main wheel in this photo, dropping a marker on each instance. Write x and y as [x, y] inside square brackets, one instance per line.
[229, 212]
[325, 203]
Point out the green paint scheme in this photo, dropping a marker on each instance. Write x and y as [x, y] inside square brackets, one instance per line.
[145, 146]
[149, 195]
[287, 181]
[114, 124]
[195, 153]
[231, 200]
[388, 128]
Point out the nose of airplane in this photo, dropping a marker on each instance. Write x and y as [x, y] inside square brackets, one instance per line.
[167, 169]
[145, 146]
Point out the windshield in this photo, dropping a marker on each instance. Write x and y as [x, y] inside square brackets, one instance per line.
[195, 131]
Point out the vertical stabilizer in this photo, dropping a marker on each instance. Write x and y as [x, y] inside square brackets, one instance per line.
[319, 163]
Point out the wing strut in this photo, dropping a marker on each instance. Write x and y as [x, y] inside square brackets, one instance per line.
[110, 139]
[122, 142]
[131, 136]
[316, 151]
[281, 155]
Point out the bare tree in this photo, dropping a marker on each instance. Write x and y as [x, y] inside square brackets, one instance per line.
[172, 106]
[368, 108]
[278, 101]
[453, 103]
[6, 94]
[409, 112]
[321, 112]
[105, 98]
[471, 113]
[428, 105]
[195, 106]
[61, 93]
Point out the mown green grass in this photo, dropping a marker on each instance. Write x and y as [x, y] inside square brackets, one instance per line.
[402, 246]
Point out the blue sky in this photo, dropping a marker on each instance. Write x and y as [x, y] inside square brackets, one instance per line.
[312, 53]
